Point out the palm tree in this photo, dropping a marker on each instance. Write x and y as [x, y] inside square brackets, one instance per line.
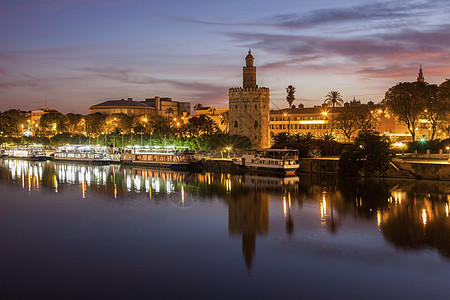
[333, 99]
[290, 91]
[169, 111]
[198, 106]
[224, 120]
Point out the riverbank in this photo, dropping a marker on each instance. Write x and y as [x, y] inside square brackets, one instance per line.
[412, 168]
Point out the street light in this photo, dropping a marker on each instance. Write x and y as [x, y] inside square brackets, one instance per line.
[228, 150]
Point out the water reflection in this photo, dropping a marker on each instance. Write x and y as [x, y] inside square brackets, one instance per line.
[410, 214]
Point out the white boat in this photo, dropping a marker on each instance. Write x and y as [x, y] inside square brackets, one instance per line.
[83, 153]
[276, 161]
[29, 152]
[159, 157]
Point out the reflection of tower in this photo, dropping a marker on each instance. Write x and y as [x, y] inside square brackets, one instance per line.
[249, 215]
[249, 108]
[420, 77]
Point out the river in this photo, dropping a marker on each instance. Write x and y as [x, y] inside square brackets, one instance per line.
[73, 231]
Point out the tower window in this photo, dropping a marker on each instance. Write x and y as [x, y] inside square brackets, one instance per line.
[255, 124]
[256, 137]
[256, 106]
[236, 106]
[245, 105]
[235, 123]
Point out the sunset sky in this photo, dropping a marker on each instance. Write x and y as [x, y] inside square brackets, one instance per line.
[72, 54]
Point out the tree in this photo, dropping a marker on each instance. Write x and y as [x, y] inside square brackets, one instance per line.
[333, 99]
[347, 122]
[282, 138]
[53, 122]
[290, 95]
[95, 123]
[200, 125]
[159, 125]
[198, 106]
[404, 100]
[369, 155]
[225, 120]
[444, 100]
[11, 122]
[367, 119]
[432, 106]
[74, 122]
[169, 111]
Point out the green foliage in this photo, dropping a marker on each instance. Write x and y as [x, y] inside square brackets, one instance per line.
[369, 155]
[333, 99]
[95, 123]
[282, 137]
[53, 122]
[200, 125]
[74, 123]
[410, 100]
[11, 122]
[327, 137]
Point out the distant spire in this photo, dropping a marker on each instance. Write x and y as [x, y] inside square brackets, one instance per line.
[420, 77]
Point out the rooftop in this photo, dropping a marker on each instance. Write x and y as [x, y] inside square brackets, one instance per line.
[123, 103]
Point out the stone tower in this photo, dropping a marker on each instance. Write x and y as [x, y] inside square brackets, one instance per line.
[249, 108]
[420, 77]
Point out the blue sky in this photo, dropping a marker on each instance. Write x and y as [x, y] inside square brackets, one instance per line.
[72, 54]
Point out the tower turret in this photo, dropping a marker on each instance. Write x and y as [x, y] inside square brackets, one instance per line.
[249, 72]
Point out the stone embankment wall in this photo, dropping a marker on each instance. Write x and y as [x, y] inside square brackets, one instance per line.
[319, 165]
[216, 166]
[419, 169]
[401, 168]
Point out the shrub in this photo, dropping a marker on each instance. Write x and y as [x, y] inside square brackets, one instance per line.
[369, 155]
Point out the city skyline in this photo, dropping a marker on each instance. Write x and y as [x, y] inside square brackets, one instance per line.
[77, 53]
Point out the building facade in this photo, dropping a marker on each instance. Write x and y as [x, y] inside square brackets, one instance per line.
[167, 107]
[35, 115]
[249, 108]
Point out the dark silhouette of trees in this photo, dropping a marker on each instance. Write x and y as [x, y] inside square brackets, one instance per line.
[11, 122]
[290, 95]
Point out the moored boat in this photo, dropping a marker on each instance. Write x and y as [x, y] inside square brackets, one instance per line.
[275, 161]
[29, 152]
[177, 158]
[83, 153]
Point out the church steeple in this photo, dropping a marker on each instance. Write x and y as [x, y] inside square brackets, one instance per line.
[420, 77]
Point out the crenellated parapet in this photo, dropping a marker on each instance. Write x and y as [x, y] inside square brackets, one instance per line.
[255, 89]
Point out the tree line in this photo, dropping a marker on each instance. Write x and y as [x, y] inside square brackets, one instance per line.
[412, 102]
[14, 123]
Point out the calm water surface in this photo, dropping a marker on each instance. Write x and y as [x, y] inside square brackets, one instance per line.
[82, 231]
